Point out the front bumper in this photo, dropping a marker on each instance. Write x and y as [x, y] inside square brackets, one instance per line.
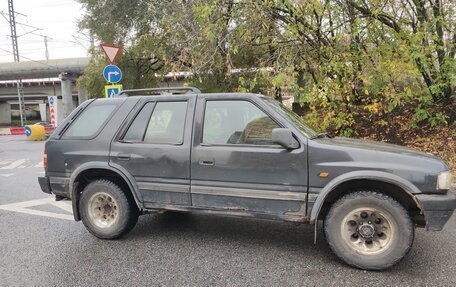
[45, 184]
[437, 209]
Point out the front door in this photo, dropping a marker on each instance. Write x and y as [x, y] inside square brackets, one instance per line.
[155, 149]
[236, 166]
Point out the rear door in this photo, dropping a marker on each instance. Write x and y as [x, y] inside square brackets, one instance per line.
[154, 148]
[235, 164]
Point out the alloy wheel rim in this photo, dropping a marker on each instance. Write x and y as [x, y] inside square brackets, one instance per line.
[103, 210]
[368, 231]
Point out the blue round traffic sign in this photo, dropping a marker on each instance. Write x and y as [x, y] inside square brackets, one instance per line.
[51, 100]
[28, 131]
[112, 74]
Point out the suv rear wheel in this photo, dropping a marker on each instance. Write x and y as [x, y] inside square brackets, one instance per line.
[106, 211]
[369, 230]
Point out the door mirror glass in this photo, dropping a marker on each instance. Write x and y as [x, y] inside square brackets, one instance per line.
[284, 137]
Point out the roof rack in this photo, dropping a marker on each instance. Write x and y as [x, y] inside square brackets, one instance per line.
[157, 91]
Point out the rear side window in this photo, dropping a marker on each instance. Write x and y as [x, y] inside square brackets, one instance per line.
[137, 129]
[90, 121]
[165, 124]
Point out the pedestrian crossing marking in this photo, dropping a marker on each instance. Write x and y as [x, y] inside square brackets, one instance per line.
[14, 164]
[25, 207]
[20, 163]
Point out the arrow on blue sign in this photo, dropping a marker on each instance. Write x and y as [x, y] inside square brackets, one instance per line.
[28, 131]
[112, 74]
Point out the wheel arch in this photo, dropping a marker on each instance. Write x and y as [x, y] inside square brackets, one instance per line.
[86, 173]
[396, 187]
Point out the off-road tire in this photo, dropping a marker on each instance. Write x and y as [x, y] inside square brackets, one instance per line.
[402, 227]
[126, 209]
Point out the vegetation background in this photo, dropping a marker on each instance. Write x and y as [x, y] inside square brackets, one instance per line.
[374, 69]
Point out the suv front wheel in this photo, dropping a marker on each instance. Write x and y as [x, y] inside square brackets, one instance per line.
[106, 211]
[369, 230]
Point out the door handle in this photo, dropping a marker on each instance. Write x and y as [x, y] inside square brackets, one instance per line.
[123, 156]
[206, 162]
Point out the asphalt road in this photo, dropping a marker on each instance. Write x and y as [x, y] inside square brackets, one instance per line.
[41, 245]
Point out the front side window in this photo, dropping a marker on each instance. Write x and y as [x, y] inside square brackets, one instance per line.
[165, 125]
[90, 121]
[293, 118]
[237, 122]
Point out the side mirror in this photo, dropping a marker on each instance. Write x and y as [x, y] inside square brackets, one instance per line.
[284, 137]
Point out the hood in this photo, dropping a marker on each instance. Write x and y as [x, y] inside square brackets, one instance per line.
[374, 146]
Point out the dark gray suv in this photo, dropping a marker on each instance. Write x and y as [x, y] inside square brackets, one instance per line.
[242, 155]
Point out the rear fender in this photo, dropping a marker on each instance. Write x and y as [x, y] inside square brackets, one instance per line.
[102, 165]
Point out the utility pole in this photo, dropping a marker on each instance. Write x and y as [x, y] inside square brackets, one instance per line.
[20, 88]
[46, 46]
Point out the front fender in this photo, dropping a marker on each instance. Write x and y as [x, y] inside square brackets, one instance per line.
[409, 187]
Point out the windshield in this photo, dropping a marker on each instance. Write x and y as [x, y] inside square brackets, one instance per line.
[294, 119]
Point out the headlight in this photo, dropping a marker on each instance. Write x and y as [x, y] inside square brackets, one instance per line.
[444, 180]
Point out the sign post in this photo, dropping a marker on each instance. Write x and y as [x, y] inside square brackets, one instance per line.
[53, 110]
[111, 73]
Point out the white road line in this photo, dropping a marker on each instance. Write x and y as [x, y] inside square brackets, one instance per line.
[40, 164]
[14, 164]
[23, 207]
[7, 174]
[63, 205]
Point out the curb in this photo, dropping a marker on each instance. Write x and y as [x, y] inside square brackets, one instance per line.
[5, 131]
[18, 131]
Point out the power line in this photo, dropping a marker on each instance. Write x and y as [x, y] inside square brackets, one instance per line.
[27, 58]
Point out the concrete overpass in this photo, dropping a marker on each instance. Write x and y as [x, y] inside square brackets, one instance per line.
[41, 79]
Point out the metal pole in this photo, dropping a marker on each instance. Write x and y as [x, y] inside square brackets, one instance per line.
[46, 46]
[20, 90]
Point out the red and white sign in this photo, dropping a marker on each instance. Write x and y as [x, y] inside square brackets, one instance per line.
[111, 52]
[53, 110]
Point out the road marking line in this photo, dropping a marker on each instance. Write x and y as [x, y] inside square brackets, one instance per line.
[2, 162]
[7, 174]
[23, 207]
[14, 164]
[40, 164]
[63, 205]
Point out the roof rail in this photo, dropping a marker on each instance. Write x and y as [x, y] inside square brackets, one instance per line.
[157, 91]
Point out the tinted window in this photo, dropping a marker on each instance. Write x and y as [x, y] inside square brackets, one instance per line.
[236, 122]
[90, 121]
[166, 125]
[295, 120]
[138, 127]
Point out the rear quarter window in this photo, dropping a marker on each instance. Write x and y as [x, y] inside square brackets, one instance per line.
[89, 122]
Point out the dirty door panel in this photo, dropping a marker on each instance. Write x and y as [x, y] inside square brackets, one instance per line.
[155, 150]
[235, 165]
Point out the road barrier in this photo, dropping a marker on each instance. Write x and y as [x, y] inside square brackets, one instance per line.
[35, 132]
[19, 131]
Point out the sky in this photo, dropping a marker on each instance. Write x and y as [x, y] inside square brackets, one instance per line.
[57, 19]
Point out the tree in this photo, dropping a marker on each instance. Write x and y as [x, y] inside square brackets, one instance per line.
[349, 58]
